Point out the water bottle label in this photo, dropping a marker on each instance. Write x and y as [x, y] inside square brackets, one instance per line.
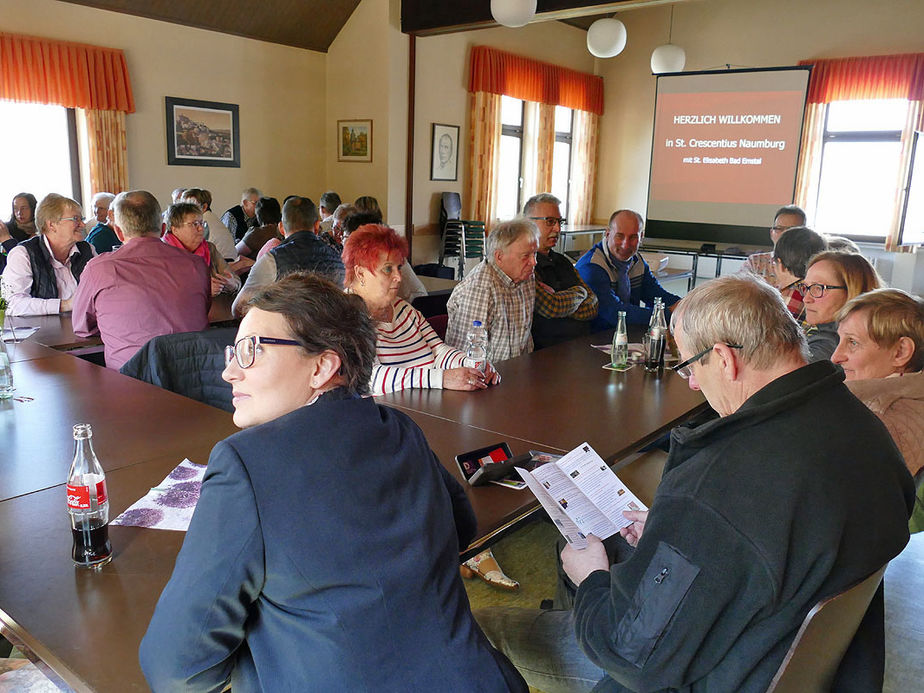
[78, 497]
[622, 339]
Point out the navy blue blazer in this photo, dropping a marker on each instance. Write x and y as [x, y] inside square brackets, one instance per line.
[323, 555]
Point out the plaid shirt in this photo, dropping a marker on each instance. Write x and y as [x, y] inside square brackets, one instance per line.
[793, 299]
[578, 301]
[505, 309]
[761, 264]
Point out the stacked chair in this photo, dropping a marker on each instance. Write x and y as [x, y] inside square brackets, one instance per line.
[458, 237]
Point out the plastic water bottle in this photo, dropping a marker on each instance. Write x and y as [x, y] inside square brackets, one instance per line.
[6, 373]
[88, 503]
[477, 346]
[619, 353]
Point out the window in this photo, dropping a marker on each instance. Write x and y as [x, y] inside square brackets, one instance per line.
[510, 174]
[860, 168]
[515, 181]
[42, 155]
[561, 157]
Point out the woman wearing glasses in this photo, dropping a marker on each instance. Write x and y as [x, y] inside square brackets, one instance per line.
[323, 552]
[832, 279]
[42, 272]
[187, 231]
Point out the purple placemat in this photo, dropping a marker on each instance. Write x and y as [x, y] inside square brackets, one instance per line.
[169, 505]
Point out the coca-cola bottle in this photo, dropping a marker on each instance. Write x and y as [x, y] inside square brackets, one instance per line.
[88, 503]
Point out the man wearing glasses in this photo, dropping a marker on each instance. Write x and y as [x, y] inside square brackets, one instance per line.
[619, 276]
[144, 289]
[762, 264]
[565, 305]
[755, 521]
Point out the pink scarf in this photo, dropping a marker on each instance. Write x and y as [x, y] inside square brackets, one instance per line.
[202, 251]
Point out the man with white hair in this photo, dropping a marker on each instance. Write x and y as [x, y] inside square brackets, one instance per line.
[243, 217]
[144, 289]
[500, 292]
[795, 493]
[99, 233]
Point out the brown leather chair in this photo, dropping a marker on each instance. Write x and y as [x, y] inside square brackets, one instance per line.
[820, 644]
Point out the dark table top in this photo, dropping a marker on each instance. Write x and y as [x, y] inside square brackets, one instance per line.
[562, 396]
[132, 422]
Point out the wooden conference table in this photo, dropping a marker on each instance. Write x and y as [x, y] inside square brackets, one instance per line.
[87, 625]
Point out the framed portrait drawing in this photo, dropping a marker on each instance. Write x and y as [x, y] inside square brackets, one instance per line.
[202, 133]
[354, 140]
[444, 152]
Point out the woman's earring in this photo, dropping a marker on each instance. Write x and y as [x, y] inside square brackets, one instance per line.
[362, 282]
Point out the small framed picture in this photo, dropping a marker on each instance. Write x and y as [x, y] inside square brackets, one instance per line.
[355, 140]
[445, 152]
[202, 133]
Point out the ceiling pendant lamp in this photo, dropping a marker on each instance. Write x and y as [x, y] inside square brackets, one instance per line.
[606, 38]
[668, 57]
[513, 13]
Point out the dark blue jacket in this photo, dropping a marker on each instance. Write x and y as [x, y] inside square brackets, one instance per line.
[601, 275]
[324, 556]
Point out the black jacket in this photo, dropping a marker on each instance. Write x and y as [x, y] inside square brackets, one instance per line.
[759, 515]
[303, 251]
[44, 284]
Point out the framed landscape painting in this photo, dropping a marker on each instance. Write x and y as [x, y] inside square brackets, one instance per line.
[202, 133]
[354, 140]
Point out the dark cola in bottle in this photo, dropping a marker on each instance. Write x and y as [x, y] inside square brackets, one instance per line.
[88, 503]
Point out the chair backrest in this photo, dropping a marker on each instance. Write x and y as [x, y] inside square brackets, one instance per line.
[188, 363]
[451, 206]
[439, 323]
[825, 634]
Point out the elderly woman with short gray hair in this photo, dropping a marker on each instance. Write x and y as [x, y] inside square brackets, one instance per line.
[42, 272]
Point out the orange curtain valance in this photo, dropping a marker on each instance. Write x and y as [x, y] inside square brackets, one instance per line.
[74, 75]
[497, 72]
[873, 77]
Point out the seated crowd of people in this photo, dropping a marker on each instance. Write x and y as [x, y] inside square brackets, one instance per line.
[755, 519]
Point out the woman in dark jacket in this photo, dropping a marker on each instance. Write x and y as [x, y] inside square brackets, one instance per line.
[324, 550]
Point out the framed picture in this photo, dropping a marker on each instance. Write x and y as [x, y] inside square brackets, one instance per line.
[202, 133]
[355, 140]
[444, 152]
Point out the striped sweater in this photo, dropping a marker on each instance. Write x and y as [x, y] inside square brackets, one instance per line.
[409, 353]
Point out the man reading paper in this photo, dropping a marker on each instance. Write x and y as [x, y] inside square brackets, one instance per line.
[756, 519]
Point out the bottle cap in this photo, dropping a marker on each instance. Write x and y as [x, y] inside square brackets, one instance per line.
[476, 323]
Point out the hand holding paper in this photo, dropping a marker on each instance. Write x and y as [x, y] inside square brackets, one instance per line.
[579, 563]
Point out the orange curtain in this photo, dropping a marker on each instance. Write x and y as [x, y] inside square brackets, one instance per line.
[73, 75]
[584, 167]
[107, 153]
[545, 147]
[853, 79]
[873, 77]
[484, 149]
[915, 121]
[807, 178]
[503, 73]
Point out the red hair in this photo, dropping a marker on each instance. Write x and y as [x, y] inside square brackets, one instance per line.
[367, 244]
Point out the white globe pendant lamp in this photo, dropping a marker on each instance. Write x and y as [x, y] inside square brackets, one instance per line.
[606, 38]
[513, 13]
[668, 58]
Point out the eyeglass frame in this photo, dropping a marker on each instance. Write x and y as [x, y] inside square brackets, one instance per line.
[199, 224]
[551, 221]
[76, 219]
[808, 289]
[231, 351]
[683, 369]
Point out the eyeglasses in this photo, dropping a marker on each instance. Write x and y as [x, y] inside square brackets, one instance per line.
[684, 369]
[71, 219]
[245, 349]
[816, 290]
[781, 228]
[197, 224]
[551, 221]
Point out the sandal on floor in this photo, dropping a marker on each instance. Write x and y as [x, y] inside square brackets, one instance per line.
[485, 567]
